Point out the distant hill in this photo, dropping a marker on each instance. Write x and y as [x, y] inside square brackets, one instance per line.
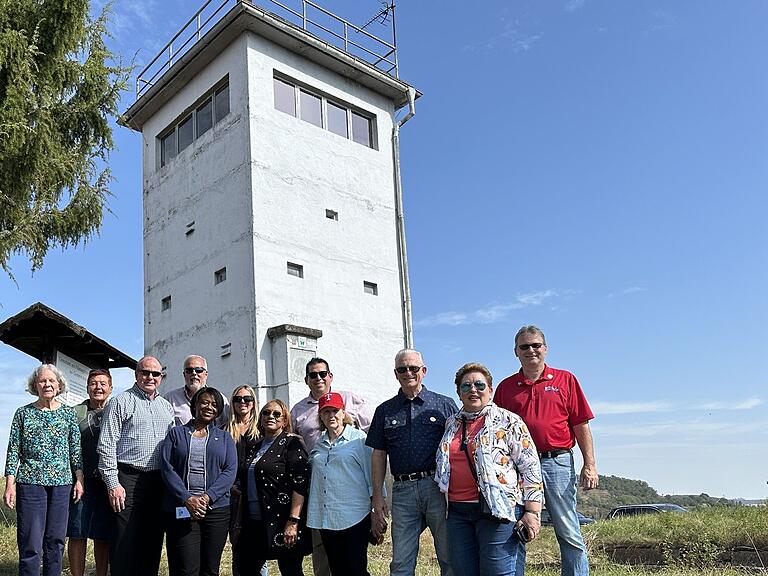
[617, 491]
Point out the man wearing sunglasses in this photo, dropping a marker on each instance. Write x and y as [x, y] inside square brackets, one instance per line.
[134, 425]
[407, 429]
[554, 408]
[195, 373]
[305, 423]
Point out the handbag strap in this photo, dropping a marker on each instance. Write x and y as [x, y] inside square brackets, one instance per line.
[470, 461]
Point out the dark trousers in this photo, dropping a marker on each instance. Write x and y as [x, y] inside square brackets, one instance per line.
[348, 549]
[137, 536]
[251, 552]
[41, 526]
[195, 547]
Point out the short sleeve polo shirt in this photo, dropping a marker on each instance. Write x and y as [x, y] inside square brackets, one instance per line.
[551, 406]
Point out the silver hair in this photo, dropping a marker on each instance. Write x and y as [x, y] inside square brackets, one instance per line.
[405, 352]
[32, 380]
[193, 356]
[530, 329]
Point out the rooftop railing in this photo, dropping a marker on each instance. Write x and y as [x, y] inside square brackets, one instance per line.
[304, 14]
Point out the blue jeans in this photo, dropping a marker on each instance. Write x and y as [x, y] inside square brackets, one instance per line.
[41, 526]
[416, 505]
[482, 546]
[559, 477]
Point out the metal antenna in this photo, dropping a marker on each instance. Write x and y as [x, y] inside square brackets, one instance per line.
[382, 16]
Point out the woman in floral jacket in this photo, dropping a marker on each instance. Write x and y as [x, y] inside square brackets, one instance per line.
[489, 467]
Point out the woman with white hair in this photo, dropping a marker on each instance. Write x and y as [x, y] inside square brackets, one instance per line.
[43, 468]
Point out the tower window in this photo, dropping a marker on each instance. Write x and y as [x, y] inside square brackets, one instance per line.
[207, 111]
[219, 276]
[165, 303]
[285, 97]
[186, 133]
[312, 106]
[371, 288]
[295, 270]
[331, 214]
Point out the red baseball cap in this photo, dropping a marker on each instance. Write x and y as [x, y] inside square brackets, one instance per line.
[331, 400]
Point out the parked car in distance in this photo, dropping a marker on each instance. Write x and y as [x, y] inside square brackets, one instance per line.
[637, 509]
[546, 519]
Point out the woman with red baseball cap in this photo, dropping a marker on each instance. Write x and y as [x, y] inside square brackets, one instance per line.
[340, 491]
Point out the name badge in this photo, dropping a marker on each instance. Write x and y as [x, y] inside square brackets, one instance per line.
[182, 512]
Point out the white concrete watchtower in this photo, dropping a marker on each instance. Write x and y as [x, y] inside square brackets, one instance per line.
[273, 226]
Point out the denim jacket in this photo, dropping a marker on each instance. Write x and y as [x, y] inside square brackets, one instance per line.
[505, 458]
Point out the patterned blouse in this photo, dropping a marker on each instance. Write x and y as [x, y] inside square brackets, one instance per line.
[44, 446]
[505, 458]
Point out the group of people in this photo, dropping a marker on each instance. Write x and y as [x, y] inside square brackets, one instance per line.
[198, 467]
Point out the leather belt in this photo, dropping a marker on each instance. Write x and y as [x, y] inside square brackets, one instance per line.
[413, 476]
[554, 453]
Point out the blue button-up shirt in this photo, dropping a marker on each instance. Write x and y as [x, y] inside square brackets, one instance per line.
[409, 431]
[341, 489]
[132, 431]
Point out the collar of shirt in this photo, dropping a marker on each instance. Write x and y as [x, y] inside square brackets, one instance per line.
[138, 391]
[346, 435]
[311, 400]
[546, 375]
[421, 397]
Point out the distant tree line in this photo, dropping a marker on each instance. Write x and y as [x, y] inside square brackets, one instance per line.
[617, 491]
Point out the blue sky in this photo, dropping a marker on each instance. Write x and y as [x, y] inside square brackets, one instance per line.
[597, 168]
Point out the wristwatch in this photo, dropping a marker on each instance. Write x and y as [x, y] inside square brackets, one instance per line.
[293, 519]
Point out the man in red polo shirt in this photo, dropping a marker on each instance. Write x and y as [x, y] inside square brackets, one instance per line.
[552, 404]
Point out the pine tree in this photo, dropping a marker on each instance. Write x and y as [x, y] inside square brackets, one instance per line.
[59, 89]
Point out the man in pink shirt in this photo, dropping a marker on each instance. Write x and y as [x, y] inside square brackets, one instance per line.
[304, 417]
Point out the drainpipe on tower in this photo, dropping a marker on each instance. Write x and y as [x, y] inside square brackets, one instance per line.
[405, 286]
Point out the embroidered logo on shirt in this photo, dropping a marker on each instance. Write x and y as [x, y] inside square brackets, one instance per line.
[550, 388]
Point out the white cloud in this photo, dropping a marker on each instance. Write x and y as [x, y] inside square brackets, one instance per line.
[609, 407]
[514, 35]
[743, 405]
[628, 290]
[488, 314]
[630, 407]
[676, 431]
[574, 5]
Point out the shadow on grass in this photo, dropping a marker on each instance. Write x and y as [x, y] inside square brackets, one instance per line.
[9, 567]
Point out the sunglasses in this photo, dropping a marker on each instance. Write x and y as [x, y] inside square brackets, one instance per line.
[467, 386]
[534, 345]
[242, 399]
[196, 370]
[153, 373]
[411, 369]
[319, 374]
[276, 414]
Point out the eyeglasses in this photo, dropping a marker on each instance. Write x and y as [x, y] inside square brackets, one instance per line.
[534, 345]
[319, 374]
[276, 414]
[242, 399]
[467, 386]
[411, 369]
[196, 370]
[153, 373]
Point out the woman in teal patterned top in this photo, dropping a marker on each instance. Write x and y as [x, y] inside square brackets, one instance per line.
[43, 456]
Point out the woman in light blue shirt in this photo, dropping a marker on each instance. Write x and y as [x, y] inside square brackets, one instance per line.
[341, 489]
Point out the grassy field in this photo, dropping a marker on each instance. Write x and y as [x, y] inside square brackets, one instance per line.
[695, 544]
